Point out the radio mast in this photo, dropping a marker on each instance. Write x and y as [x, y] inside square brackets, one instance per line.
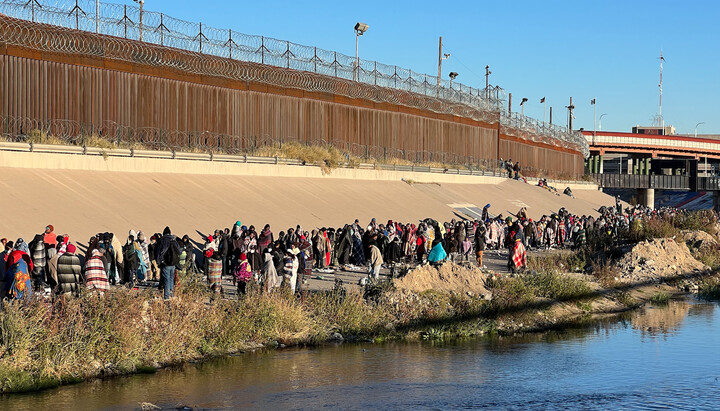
[661, 122]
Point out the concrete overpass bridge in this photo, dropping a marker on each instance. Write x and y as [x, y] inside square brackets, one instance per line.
[170, 84]
[647, 162]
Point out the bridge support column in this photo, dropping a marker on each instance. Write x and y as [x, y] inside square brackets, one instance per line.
[601, 164]
[648, 196]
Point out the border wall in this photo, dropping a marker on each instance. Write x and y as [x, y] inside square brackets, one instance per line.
[103, 94]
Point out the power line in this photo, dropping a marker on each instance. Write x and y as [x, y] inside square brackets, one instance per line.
[482, 78]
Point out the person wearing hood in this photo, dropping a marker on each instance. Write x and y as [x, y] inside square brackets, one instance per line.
[113, 254]
[213, 266]
[38, 254]
[290, 269]
[187, 254]
[243, 274]
[18, 267]
[306, 255]
[376, 261]
[437, 253]
[131, 258]
[270, 276]
[168, 258]
[145, 252]
[518, 257]
[69, 272]
[265, 238]
[253, 251]
[95, 275]
[8, 247]
[223, 249]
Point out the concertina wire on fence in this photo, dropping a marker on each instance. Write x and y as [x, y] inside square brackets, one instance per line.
[201, 49]
[70, 132]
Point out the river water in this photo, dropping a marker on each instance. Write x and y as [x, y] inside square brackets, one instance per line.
[656, 358]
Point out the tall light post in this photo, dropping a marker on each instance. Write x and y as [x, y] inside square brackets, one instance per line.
[696, 126]
[600, 121]
[360, 29]
[141, 3]
[487, 80]
[522, 106]
[97, 16]
[452, 76]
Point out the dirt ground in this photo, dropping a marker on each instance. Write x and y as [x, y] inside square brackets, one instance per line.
[447, 277]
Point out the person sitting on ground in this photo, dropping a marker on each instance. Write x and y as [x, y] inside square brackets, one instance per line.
[568, 192]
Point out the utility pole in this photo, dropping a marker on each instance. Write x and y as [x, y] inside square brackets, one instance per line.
[510, 103]
[440, 59]
[570, 114]
[551, 115]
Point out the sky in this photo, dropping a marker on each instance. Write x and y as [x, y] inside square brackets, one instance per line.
[607, 50]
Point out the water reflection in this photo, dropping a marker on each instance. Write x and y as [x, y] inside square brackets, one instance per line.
[618, 363]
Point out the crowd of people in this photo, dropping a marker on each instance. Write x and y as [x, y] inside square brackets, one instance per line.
[244, 255]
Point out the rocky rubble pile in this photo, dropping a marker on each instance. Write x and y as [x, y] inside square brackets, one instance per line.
[658, 258]
[698, 239]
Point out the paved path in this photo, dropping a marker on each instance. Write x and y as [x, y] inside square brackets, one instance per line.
[494, 261]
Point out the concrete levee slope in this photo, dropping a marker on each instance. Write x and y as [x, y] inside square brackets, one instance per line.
[82, 202]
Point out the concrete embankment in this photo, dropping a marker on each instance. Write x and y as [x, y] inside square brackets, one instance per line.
[82, 195]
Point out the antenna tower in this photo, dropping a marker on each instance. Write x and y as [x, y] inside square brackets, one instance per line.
[661, 122]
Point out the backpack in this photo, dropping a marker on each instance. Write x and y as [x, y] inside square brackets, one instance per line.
[130, 256]
[172, 255]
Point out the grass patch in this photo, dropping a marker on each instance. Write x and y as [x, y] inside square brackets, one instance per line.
[556, 286]
[660, 298]
[327, 157]
[709, 289]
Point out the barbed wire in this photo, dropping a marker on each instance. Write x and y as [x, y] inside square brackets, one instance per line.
[111, 134]
[201, 49]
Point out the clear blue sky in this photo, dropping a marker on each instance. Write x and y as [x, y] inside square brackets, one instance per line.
[585, 49]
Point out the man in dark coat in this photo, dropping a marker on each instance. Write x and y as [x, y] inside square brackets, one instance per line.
[168, 258]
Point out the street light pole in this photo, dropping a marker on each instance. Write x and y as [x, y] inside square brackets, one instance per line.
[360, 29]
[487, 79]
[600, 121]
[452, 76]
[97, 16]
[696, 126]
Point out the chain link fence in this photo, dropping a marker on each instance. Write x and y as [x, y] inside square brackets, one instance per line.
[201, 49]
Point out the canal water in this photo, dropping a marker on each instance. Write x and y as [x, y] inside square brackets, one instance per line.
[656, 358]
